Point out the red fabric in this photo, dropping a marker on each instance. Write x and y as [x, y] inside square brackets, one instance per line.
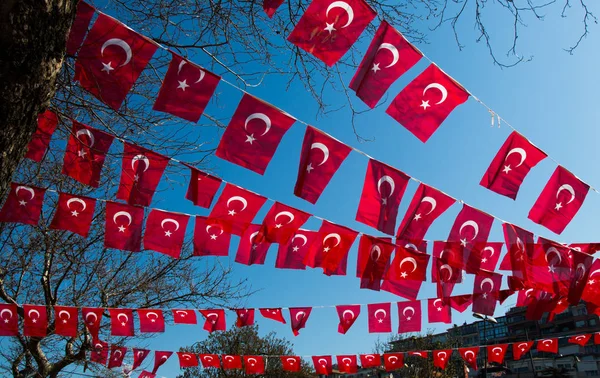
[580, 340]
[215, 320]
[99, 353]
[485, 293]
[410, 316]
[210, 360]
[46, 125]
[328, 30]
[540, 303]
[519, 349]
[441, 358]
[117, 354]
[407, 273]
[452, 254]
[66, 321]
[92, 317]
[181, 316]
[519, 243]
[380, 317]
[496, 353]
[388, 57]
[273, 314]
[292, 254]
[253, 134]
[235, 209]
[549, 267]
[511, 164]
[187, 360]
[373, 259]
[210, 239]
[160, 357]
[348, 315]
[23, 204]
[448, 277]
[291, 363]
[597, 338]
[471, 226]
[281, 223]
[151, 320]
[231, 362]
[559, 201]
[469, 355]
[250, 250]
[123, 226]
[382, 192]
[80, 25]
[438, 312]
[35, 321]
[320, 158]
[323, 364]
[146, 374]
[581, 264]
[245, 317]
[74, 213]
[591, 292]
[202, 188]
[421, 108]
[165, 232]
[393, 361]
[347, 363]
[85, 154]
[484, 256]
[254, 364]
[121, 321]
[460, 302]
[111, 59]
[186, 89]
[589, 248]
[140, 174]
[139, 355]
[330, 248]
[270, 6]
[426, 206]
[548, 345]
[298, 318]
[370, 360]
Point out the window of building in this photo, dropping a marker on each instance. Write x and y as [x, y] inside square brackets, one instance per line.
[580, 323]
[593, 322]
[591, 373]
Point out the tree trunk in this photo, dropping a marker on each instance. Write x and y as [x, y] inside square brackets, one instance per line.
[33, 36]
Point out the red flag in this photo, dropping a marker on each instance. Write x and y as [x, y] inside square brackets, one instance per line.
[580, 270]
[373, 258]
[298, 318]
[292, 254]
[139, 355]
[270, 6]
[461, 302]
[393, 361]
[330, 248]
[74, 213]
[184, 316]
[549, 268]
[469, 355]
[407, 273]
[380, 317]
[210, 360]
[370, 360]
[210, 239]
[35, 321]
[160, 357]
[410, 316]
[117, 354]
[589, 248]
[448, 277]
[254, 364]
[186, 89]
[99, 353]
[23, 204]
[151, 320]
[245, 317]
[519, 243]
[111, 59]
[559, 201]
[323, 364]
[65, 321]
[580, 340]
[291, 363]
[519, 349]
[451, 253]
[510, 166]
[484, 256]
[381, 194]
[202, 188]
[273, 314]
[253, 134]
[426, 102]
[496, 353]
[231, 362]
[187, 360]
[471, 226]
[140, 173]
[123, 227]
[591, 293]
[426, 206]
[85, 154]
[80, 25]
[146, 374]
[281, 223]
[215, 320]
[250, 250]
[485, 293]
[121, 321]
[165, 232]
[548, 345]
[380, 68]
[348, 315]
[441, 358]
[328, 29]
[438, 312]
[9, 324]
[46, 125]
[92, 317]
[236, 208]
[347, 363]
[320, 158]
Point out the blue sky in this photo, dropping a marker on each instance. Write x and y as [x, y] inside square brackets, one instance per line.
[551, 100]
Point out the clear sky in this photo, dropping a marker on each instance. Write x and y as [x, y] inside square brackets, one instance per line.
[552, 100]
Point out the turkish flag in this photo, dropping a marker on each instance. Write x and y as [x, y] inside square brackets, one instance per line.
[382, 191]
[406, 273]
[447, 277]
[510, 166]
[140, 174]
[591, 293]
[426, 206]
[111, 59]
[541, 302]
[92, 317]
[589, 248]
[9, 324]
[519, 243]
[496, 353]
[85, 154]
[380, 317]
[254, 364]
[323, 364]
[123, 226]
[519, 349]
[146, 374]
[210, 360]
[549, 268]
[281, 223]
[117, 354]
[580, 340]
[548, 345]
[202, 188]
[485, 293]
[441, 358]
[23, 204]
[165, 232]
[291, 363]
[452, 254]
[99, 353]
[231, 362]
[181, 316]
[187, 360]
[373, 259]
[235, 209]
[273, 314]
[215, 320]
[35, 321]
[210, 239]
[580, 271]
[469, 355]
[253, 134]
[410, 316]
[348, 315]
[460, 302]
[298, 318]
[65, 321]
[160, 357]
[121, 321]
[484, 256]
[186, 89]
[250, 250]
[328, 29]
[245, 317]
[270, 6]
[320, 158]
[389, 56]
[80, 25]
[393, 361]
[139, 355]
[438, 311]
[330, 248]
[471, 226]
[74, 213]
[46, 125]
[151, 320]
[292, 254]
[559, 201]
[370, 360]
[347, 363]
